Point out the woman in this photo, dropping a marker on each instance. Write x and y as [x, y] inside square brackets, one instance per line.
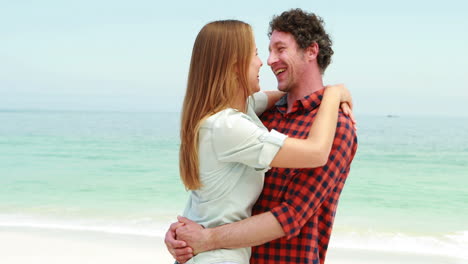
[225, 149]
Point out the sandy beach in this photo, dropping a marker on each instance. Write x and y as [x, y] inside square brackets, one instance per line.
[32, 245]
[27, 245]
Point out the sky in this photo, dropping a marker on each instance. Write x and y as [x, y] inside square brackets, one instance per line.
[397, 57]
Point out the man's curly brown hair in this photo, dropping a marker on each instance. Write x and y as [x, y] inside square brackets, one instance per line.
[306, 28]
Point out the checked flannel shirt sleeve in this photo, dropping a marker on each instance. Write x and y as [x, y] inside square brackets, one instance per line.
[308, 189]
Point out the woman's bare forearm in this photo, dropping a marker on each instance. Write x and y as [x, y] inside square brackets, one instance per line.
[273, 97]
[314, 151]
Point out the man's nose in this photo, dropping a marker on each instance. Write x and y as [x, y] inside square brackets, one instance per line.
[272, 58]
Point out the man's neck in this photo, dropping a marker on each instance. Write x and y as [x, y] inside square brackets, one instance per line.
[308, 85]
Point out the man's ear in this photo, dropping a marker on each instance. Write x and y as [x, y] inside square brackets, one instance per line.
[312, 51]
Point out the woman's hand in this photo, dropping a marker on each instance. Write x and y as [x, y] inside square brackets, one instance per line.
[346, 100]
[345, 95]
[347, 111]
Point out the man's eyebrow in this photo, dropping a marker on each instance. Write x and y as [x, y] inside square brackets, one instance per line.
[277, 43]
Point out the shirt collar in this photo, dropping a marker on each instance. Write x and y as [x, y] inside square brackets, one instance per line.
[308, 103]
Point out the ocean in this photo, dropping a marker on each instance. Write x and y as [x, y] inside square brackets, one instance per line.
[117, 172]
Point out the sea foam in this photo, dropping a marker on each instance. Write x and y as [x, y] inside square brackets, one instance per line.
[450, 244]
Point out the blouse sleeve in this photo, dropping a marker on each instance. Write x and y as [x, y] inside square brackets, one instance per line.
[236, 138]
[258, 102]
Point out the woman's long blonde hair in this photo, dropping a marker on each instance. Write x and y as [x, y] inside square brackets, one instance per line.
[218, 75]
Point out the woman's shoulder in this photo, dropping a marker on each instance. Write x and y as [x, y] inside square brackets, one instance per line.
[226, 118]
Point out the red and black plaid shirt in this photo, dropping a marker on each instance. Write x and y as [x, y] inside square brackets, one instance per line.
[304, 201]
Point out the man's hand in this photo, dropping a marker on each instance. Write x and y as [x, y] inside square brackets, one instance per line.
[197, 237]
[178, 248]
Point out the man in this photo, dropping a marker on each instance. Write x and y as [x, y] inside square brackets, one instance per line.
[294, 215]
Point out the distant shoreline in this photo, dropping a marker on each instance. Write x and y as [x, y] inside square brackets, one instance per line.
[153, 111]
[82, 111]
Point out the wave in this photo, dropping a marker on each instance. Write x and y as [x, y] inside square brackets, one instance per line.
[452, 244]
[138, 227]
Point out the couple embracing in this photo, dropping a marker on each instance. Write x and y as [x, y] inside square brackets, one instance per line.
[265, 169]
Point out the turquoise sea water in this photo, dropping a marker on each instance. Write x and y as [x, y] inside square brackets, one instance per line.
[117, 172]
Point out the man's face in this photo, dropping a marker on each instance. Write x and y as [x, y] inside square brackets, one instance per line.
[286, 60]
